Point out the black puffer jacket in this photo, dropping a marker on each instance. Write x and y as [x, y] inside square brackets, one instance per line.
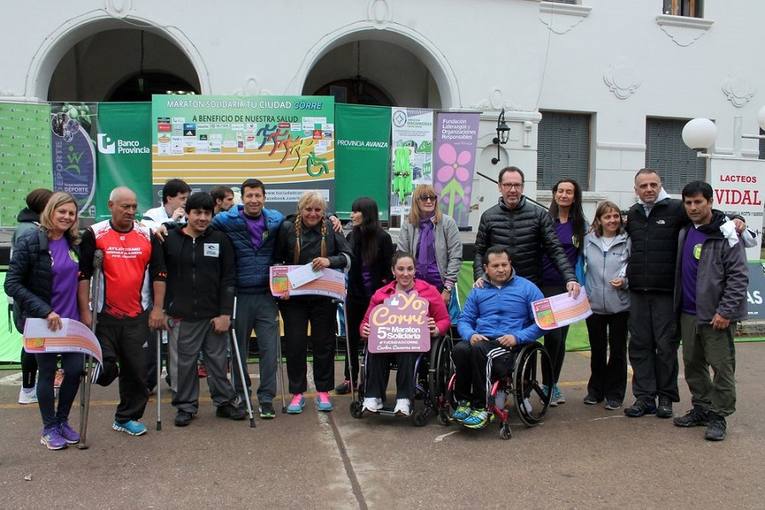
[654, 245]
[380, 268]
[30, 278]
[528, 232]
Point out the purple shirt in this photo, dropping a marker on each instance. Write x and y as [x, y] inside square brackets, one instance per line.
[257, 228]
[64, 266]
[690, 261]
[426, 264]
[366, 279]
[550, 274]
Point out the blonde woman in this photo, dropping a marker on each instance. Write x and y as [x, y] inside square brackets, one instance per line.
[42, 279]
[309, 238]
[434, 240]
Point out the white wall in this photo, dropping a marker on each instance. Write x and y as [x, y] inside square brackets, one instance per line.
[482, 54]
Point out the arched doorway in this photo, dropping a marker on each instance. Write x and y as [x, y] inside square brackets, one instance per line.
[375, 72]
[122, 65]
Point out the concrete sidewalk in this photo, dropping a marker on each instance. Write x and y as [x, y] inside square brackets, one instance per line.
[580, 457]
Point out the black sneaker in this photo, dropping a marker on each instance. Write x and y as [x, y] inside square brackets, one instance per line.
[267, 411]
[343, 388]
[665, 408]
[696, 417]
[613, 404]
[715, 428]
[230, 411]
[639, 408]
[592, 400]
[183, 418]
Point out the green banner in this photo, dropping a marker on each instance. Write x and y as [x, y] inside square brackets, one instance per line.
[124, 153]
[10, 339]
[363, 156]
[25, 156]
[288, 142]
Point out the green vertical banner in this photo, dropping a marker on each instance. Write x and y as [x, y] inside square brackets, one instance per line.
[124, 153]
[362, 155]
[25, 156]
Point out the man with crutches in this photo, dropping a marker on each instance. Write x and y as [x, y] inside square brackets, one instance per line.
[252, 229]
[132, 267]
[199, 300]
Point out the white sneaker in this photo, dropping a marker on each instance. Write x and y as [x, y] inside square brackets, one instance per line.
[372, 404]
[28, 395]
[403, 407]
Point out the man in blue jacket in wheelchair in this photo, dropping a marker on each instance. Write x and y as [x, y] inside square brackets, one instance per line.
[495, 319]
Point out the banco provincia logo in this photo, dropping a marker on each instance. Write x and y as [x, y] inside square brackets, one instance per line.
[105, 144]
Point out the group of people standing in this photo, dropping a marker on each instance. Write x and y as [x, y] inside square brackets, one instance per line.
[198, 266]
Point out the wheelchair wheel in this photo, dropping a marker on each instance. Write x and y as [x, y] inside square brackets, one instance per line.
[439, 371]
[420, 417]
[505, 432]
[356, 410]
[532, 365]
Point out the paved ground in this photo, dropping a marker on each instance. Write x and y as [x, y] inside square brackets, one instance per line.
[581, 457]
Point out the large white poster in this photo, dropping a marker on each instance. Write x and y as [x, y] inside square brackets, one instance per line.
[739, 185]
[412, 158]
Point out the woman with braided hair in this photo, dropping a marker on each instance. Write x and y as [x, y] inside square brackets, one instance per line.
[309, 239]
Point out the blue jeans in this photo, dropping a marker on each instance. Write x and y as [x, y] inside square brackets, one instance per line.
[72, 363]
[258, 312]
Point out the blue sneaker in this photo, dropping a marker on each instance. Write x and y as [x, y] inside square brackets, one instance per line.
[478, 419]
[462, 412]
[557, 396]
[296, 404]
[130, 427]
[546, 391]
[323, 402]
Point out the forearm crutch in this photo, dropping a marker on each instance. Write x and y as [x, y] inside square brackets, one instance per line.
[239, 362]
[159, 379]
[87, 373]
[280, 368]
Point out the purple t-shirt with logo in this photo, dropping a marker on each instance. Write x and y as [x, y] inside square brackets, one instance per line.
[550, 274]
[690, 260]
[256, 227]
[65, 266]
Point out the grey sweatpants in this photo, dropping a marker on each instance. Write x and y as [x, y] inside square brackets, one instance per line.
[185, 340]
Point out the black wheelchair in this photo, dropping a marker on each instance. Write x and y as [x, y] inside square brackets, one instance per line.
[432, 370]
[522, 384]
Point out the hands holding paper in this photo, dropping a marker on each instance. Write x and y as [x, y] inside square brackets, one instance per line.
[319, 263]
[573, 289]
[54, 321]
[432, 327]
[365, 330]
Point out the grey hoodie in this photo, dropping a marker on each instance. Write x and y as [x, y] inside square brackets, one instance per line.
[602, 266]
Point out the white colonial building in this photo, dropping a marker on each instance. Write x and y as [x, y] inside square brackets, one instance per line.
[593, 89]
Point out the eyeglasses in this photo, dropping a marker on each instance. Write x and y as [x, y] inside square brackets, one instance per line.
[512, 185]
[428, 198]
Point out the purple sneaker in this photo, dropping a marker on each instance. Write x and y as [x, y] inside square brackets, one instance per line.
[68, 433]
[52, 439]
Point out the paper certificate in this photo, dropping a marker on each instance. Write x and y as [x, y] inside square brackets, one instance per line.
[300, 275]
[73, 336]
[329, 283]
[557, 311]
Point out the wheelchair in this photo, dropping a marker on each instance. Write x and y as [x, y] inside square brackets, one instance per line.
[432, 370]
[522, 385]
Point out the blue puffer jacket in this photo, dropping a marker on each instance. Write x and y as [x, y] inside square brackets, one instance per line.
[495, 311]
[252, 267]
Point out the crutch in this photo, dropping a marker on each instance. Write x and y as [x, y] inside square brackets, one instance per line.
[159, 379]
[281, 369]
[232, 330]
[85, 378]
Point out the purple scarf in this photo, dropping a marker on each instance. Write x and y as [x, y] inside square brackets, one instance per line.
[426, 250]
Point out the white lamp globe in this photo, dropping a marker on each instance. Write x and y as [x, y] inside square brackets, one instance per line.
[761, 118]
[699, 134]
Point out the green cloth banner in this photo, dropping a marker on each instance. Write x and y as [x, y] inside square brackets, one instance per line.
[25, 156]
[362, 153]
[124, 153]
